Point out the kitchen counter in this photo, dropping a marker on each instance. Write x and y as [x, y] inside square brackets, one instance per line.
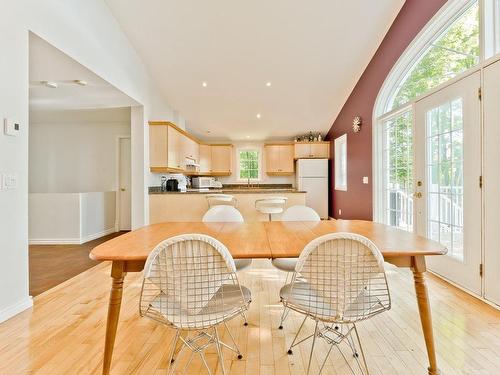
[259, 190]
[192, 204]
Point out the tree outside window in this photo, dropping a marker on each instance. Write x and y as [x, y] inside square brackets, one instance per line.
[249, 164]
[453, 52]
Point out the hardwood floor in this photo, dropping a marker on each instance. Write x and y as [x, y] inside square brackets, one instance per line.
[64, 332]
[50, 265]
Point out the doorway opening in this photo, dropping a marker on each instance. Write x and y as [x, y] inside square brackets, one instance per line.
[79, 165]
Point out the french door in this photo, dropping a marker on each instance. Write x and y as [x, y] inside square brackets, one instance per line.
[447, 196]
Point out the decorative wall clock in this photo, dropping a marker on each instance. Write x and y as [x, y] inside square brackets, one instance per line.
[356, 124]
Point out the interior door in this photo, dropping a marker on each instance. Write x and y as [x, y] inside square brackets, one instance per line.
[124, 195]
[491, 110]
[448, 168]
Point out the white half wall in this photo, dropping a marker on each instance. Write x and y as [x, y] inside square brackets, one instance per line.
[97, 215]
[87, 32]
[71, 218]
[54, 218]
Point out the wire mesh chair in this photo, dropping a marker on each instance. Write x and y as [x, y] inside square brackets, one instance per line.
[338, 281]
[190, 284]
[221, 199]
[271, 205]
[293, 213]
[228, 214]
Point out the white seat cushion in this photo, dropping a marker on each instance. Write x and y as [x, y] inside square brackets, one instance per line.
[241, 264]
[225, 303]
[302, 297]
[285, 264]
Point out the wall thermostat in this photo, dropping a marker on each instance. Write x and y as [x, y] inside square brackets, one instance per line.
[11, 127]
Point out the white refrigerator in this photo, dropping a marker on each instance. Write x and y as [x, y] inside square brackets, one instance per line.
[312, 177]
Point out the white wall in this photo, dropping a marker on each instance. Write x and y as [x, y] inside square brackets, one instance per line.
[71, 218]
[75, 151]
[86, 31]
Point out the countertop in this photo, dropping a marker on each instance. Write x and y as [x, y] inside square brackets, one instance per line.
[229, 190]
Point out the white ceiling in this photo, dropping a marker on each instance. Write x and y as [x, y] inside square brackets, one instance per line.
[47, 63]
[312, 52]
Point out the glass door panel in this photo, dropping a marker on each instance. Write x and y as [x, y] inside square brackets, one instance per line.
[398, 171]
[444, 182]
[448, 139]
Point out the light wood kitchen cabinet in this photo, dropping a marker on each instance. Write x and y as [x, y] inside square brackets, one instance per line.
[312, 150]
[190, 149]
[205, 158]
[216, 159]
[169, 146]
[221, 159]
[158, 146]
[279, 159]
[175, 159]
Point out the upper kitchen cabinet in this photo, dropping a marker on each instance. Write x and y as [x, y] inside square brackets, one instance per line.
[221, 162]
[279, 159]
[169, 147]
[190, 149]
[216, 160]
[158, 146]
[205, 158]
[175, 143]
[312, 150]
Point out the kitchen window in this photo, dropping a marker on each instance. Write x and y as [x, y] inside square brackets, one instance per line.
[341, 163]
[249, 164]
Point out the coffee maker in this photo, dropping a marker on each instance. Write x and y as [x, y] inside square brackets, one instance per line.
[174, 182]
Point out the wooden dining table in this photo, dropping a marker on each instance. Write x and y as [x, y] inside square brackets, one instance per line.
[128, 253]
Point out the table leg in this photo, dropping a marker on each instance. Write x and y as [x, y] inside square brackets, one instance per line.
[424, 308]
[115, 302]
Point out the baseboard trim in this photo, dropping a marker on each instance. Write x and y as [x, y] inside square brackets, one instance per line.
[71, 241]
[94, 236]
[16, 308]
[54, 241]
[465, 290]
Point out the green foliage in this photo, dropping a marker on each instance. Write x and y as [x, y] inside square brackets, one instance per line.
[452, 53]
[249, 164]
[455, 51]
[400, 150]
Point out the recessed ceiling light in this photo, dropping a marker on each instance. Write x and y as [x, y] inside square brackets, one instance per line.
[204, 84]
[268, 84]
[247, 137]
[50, 84]
[80, 82]
[258, 115]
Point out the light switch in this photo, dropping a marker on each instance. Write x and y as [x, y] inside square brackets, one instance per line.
[340, 212]
[11, 127]
[365, 180]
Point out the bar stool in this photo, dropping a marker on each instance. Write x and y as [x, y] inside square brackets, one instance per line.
[220, 199]
[271, 205]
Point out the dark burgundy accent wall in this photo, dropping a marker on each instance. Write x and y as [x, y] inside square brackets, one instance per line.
[356, 202]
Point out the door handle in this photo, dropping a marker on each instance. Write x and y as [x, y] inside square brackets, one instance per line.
[122, 189]
[417, 195]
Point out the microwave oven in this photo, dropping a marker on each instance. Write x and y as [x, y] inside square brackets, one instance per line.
[203, 182]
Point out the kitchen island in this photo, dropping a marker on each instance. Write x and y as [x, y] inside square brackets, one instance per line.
[191, 205]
